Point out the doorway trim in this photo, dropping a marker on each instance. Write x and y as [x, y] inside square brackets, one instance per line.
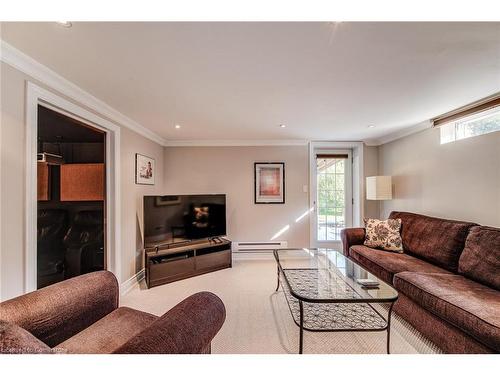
[35, 96]
[358, 178]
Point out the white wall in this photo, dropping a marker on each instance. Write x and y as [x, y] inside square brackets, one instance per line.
[12, 170]
[458, 180]
[229, 170]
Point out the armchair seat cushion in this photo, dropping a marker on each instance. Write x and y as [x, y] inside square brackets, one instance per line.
[385, 264]
[468, 305]
[16, 340]
[109, 333]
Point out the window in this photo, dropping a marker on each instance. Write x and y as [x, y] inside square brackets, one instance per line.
[471, 126]
[477, 118]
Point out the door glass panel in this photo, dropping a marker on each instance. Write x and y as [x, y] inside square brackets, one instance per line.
[331, 198]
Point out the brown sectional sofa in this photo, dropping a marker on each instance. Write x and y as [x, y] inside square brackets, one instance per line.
[81, 315]
[448, 279]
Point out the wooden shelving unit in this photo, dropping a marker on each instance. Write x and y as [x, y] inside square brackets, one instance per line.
[43, 181]
[164, 265]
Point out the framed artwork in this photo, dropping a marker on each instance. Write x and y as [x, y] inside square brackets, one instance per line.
[144, 170]
[269, 183]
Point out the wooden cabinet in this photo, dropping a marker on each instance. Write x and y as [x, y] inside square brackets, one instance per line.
[43, 181]
[177, 263]
[82, 182]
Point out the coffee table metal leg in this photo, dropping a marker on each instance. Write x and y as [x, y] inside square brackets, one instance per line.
[389, 329]
[278, 285]
[301, 333]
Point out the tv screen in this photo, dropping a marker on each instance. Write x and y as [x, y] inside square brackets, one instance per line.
[178, 218]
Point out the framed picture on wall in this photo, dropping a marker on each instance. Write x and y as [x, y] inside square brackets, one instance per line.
[144, 170]
[269, 183]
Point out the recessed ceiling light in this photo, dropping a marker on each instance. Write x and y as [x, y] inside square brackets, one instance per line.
[66, 24]
[371, 126]
[177, 126]
[282, 126]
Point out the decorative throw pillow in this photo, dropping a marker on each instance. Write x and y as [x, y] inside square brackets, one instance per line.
[384, 234]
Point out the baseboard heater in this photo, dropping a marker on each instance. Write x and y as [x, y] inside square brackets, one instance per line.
[258, 247]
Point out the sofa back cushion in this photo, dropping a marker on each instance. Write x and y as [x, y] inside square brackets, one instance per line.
[439, 241]
[480, 260]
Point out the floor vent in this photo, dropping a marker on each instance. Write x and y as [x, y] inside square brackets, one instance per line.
[257, 247]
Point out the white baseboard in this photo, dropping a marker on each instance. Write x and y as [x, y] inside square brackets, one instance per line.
[127, 285]
[263, 255]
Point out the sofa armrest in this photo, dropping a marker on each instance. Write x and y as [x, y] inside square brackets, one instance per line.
[55, 313]
[351, 237]
[188, 328]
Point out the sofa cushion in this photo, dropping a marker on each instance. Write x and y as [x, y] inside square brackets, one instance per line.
[439, 241]
[468, 305]
[57, 312]
[385, 264]
[110, 332]
[16, 340]
[480, 260]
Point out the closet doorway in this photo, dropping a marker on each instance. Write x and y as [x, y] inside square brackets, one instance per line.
[71, 197]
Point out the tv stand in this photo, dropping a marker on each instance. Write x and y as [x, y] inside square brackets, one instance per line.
[167, 263]
[216, 240]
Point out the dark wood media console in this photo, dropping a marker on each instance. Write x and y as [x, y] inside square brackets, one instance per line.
[164, 265]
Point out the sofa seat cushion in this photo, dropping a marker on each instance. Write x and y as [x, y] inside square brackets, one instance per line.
[385, 264]
[109, 333]
[468, 305]
[439, 241]
[480, 260]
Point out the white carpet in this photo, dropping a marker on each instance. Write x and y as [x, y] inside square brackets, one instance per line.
[258, 319]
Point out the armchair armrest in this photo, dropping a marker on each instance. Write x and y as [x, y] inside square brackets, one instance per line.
[59, 311]
[350, 237]
[188, 328]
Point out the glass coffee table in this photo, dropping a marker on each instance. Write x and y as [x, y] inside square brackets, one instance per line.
[323, 293]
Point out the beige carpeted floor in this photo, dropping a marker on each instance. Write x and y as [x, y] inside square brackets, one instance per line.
[258, 319]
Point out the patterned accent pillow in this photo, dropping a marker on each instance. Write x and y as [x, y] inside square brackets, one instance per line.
[384, 234]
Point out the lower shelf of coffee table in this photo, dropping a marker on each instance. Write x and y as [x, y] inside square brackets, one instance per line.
[335, 316]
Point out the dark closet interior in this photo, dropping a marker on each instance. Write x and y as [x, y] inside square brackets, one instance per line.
[71, 198]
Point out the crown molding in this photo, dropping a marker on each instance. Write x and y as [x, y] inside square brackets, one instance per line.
[399, 134]
[38, 71]
[237, 143]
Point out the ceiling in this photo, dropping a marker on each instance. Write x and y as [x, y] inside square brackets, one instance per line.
[240, 81]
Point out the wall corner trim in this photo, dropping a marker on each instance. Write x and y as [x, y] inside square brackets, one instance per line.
[399, 134]
[129, 284]
[40, 72]
[237, 143]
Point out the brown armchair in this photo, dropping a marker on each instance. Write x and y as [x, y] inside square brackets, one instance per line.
[81, 315]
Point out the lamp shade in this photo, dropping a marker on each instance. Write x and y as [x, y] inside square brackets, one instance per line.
[379, 188]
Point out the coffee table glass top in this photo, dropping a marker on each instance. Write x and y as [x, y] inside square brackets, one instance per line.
[326, 275]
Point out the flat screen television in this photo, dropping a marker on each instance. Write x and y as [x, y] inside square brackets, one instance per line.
[171, 219]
